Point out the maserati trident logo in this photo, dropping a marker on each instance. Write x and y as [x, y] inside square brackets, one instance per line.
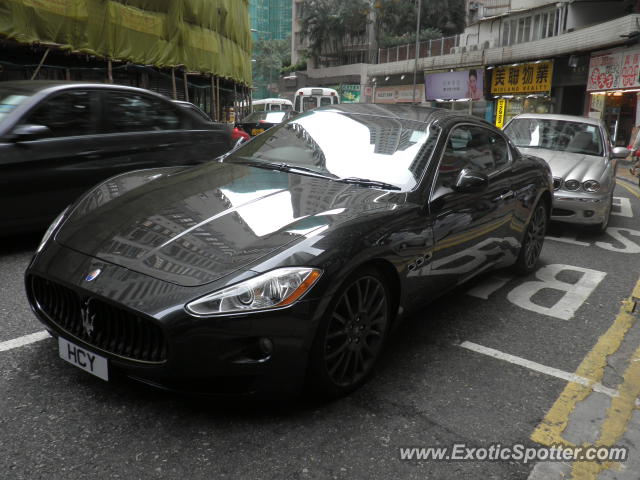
[92, 275]
[87, 318]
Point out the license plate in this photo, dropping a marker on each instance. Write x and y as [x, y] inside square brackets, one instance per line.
[256, 131]
[84, 359]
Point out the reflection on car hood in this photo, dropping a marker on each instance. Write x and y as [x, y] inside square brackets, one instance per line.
[198, 225]
[569, 165]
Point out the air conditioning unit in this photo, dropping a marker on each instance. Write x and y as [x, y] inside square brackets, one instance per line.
[486, 44]
[473, 48]
[453, 50]
[463, 49]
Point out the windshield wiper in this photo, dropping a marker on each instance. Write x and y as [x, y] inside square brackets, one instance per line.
[284, 167]
[369, 183]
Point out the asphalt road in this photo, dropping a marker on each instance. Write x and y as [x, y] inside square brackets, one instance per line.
[437, 385]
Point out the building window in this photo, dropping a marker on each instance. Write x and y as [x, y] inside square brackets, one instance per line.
[536, 28]
[505, 34]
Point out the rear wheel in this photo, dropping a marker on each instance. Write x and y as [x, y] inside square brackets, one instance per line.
[533, 240]
[351, 335]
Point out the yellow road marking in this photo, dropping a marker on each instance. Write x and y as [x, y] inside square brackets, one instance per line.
[550, 430]
[624, 185]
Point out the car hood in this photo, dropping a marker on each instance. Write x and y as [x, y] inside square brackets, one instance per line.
[569, 165]
[195, 226]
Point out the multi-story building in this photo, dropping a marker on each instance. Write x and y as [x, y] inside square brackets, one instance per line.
[270, 19]
[564, 56]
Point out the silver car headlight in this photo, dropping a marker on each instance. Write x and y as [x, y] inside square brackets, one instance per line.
[51, 229]
[571, 185]
[591, 186]
[275, 289]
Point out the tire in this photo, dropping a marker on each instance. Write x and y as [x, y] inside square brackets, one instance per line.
[533, 240]
[351, 335]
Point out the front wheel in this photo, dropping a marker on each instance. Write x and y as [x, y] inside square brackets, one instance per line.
[351, 335]
[533, 240]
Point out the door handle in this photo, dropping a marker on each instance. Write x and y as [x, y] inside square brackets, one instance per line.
[91, 155]
[504, 196]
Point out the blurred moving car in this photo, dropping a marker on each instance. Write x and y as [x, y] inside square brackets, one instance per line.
[190, 107]
[292, 257]
[59, 138]
[257, 122]
[582, 160]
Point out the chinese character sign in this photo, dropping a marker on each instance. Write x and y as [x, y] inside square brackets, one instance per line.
[526, 78]
[614, 70]
[455, 85]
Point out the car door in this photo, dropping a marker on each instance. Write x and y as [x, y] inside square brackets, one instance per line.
[471, 229]
[42, 174]
[143, 131]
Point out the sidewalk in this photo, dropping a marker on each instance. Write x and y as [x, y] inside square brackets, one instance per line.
[623, 171]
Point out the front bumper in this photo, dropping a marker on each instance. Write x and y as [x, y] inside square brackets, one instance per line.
[580, 207]
[262, 352]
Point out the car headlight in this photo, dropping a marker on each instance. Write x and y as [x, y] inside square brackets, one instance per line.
[274, 289]
[591, 186]
[51, 229]
[571, 184]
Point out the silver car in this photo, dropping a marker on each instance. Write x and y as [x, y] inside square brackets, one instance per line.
[582, 160]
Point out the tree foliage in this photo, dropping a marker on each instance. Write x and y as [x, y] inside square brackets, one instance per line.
[398, 17]
[270, 56]
[326, 23]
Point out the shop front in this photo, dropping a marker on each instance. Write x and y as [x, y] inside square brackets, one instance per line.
[522, 88]
[399, 94]
[460, 90]
[613, 86]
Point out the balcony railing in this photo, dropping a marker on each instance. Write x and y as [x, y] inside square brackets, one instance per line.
[428, 48]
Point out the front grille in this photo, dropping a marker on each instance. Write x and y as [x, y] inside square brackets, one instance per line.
[100, 324]
[557, 183]
[561, 212]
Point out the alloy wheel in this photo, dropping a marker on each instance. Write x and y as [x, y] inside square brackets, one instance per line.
[356, 330]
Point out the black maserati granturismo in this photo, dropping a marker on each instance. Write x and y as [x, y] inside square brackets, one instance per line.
[286, 262]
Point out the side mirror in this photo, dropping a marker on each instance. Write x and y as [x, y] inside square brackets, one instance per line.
[621, 152]
[27, 132]
[469, 181]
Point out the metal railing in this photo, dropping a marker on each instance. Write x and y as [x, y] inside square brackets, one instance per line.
[428, 48]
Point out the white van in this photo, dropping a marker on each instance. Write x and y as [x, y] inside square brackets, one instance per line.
[313, 97]
[272, 105]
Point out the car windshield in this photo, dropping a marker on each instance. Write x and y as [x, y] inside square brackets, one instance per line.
[10, 98]
[562, 135]
[269, 117]
[347, 146]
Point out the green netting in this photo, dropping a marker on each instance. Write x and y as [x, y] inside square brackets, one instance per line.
[210, 36]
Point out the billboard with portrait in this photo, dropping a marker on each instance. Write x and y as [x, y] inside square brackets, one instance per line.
[455, 85]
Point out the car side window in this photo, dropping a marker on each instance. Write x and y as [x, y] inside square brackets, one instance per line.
[135, 112]
[66, 114]
[472, 147]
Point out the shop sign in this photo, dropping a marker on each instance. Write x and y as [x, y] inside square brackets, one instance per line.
[525, 78]
[614, 70]
[398, 94]
[501, 104]
[455, 85]
[349, 93]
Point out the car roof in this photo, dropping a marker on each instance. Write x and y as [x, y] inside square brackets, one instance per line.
[557, 116]
[416, 113]
[35, 86]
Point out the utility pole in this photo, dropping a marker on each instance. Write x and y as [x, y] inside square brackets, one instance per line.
[415, 65]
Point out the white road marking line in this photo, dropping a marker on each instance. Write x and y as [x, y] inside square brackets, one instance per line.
[24, 340]
[572, 241]
[624, 204]
[538, 367]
